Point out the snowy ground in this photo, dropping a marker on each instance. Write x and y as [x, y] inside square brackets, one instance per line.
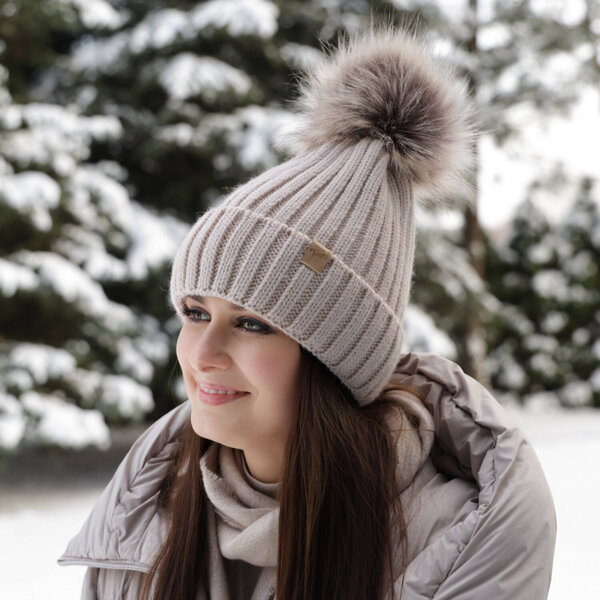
[35, 525]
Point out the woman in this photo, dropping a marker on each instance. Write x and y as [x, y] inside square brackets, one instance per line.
[338, 466]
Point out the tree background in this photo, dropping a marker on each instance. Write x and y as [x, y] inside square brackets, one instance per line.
[121, 121]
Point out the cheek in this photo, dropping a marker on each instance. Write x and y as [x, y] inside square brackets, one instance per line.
[182, 350]
[180, 347]
[275, 369]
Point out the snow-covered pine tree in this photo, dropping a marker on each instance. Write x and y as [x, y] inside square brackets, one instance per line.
[74, 348]
[198, 88]
[449, 288]
[523, 356]
[542, 339]
[580, 266]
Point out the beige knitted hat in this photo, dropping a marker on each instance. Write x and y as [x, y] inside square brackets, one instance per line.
[322, 245]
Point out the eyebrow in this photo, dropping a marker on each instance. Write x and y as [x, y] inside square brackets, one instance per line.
[202, 300]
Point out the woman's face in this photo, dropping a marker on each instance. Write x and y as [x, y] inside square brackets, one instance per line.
[238, 349]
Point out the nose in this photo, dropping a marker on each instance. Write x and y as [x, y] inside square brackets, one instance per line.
[210, 350]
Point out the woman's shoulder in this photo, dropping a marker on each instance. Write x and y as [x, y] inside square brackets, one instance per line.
[486, 515]
[123, 528]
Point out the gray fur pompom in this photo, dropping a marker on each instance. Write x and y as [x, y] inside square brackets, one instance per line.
[384, 83]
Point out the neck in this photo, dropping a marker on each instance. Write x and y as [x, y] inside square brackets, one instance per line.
[264, 467]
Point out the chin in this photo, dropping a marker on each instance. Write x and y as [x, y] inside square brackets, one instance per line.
[199, 425]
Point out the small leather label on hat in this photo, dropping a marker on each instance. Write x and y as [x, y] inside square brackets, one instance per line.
[316, 257]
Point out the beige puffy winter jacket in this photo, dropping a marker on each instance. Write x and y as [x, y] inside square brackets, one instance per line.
[485, 528]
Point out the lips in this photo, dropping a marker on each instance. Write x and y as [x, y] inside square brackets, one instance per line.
[216, 386]
[215, 399]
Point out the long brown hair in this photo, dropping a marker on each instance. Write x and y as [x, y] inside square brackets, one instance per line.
[339, 501]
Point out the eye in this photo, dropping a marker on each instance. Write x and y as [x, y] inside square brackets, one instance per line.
[256, 326]
[190, 313]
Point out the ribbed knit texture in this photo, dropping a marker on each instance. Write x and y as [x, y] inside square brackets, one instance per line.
[248, 250]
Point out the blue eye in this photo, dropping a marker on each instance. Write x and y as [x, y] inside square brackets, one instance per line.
[257, 326]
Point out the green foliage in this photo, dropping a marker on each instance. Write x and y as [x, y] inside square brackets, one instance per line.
[547, 278]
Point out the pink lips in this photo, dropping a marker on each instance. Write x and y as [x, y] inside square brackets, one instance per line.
[215, 399]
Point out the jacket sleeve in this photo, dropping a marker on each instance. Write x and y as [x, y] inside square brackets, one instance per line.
[109, 584]
[510, 553]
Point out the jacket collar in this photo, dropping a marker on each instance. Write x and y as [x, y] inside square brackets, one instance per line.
[124, 529]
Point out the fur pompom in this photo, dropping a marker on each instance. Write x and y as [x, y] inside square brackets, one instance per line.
[384, 83]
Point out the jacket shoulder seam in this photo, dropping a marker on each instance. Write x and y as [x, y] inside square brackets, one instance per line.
[481, 509]
[119, 502]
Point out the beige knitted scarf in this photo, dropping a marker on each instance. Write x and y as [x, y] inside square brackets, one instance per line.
[243, 521]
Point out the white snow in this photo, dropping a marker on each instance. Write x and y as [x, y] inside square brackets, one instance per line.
[120, 396]
[5, 167]
[581, 336]
[540, 254]
[493, 35]
[63, 119]
[238, 17]
[96, 13]
[299, 56]
[125, 397]
[75, 286]
[188, 75]
[576, 393]
[544, 364]
[582, 265]
[595, 379]
[100, 56]
[87, 249]
[99, 201]
[38, 527]
[252, 133]
[157, 30]
[518, 321]
[552, 284]
[48, 419]
[154, 240]
[12, 421]
[14, 277]
[131, 360]
[163, 28]
[5, 97]
[56, 138]
[564, 441]
[33, 194]
[422, 335]
[545, 343]
[511, 374]
[254, 136]
[181, 134]
[570, 13]
[17, 379]
[43, 362]
[66, 279]
[554, 321]
[64, 424]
